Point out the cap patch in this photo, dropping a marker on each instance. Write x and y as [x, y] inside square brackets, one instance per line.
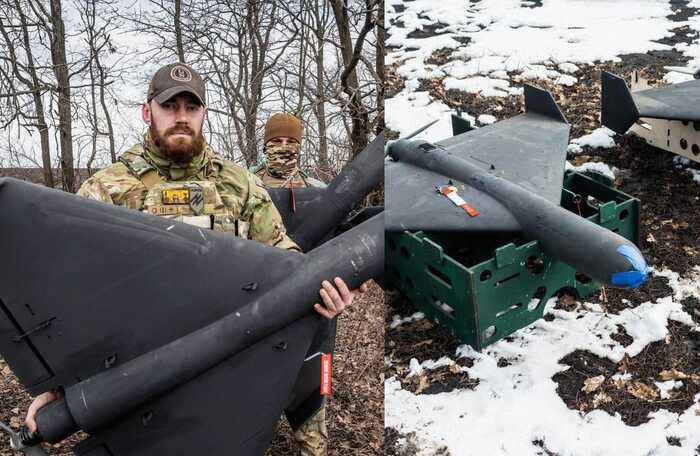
[180, 73]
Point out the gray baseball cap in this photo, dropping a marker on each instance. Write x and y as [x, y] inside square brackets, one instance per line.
[173, 79]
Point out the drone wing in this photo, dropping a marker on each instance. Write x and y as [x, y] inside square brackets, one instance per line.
[528, 150]
[620, 108]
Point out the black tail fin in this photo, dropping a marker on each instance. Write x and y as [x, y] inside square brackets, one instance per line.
[542, 102]
[618, 110]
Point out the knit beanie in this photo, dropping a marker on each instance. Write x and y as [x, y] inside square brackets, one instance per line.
[283, 124]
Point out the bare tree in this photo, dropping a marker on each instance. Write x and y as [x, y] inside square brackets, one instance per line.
[349, 80]
[25, 72]
[321, 15]
[241, 48]
[379, 57]
[177, 25]
[63, 89]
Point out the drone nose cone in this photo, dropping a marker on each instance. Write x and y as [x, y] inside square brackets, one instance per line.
[638, 272]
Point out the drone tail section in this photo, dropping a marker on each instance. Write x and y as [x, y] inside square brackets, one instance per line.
[618, 109]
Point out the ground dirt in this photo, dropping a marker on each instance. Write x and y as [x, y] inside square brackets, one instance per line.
[356, 410]
[669, 238]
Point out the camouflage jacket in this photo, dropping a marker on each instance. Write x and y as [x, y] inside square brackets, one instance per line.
[229, 198]
[270, 181]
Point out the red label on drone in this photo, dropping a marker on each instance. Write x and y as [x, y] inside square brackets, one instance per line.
[326, 368]
[451, 193]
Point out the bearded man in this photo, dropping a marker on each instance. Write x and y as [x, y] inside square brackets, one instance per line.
[174, 173]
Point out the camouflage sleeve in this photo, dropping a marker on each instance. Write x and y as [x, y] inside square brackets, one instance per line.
[94, 189]
[114, 185]
[265, 221]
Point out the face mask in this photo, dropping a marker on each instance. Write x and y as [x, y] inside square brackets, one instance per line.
[282, 159]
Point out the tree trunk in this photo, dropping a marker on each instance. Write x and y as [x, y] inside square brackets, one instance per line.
[178, 31]
[381, 38]
[60, 69]
[103, 102]
[359, 116]
[38, 103]
[320, 107]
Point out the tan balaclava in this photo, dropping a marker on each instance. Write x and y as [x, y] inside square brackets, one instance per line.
[282, 160]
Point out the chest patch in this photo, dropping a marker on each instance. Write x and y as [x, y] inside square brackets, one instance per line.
[193, 196]
[175, 196]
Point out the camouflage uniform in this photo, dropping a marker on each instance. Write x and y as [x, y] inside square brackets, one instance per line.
[281, 168]
[232, 200]
[312, 436]
[208, 192]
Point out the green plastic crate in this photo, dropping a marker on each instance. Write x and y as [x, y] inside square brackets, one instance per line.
[484, 290]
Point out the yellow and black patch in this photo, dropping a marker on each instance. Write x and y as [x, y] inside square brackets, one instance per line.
[175, 196]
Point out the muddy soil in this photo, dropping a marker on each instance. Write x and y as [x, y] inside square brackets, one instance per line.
[669, 237]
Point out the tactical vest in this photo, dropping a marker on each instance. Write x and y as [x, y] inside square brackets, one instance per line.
[195, 202]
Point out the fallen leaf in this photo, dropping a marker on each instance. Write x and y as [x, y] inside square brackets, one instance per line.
[423, 384]
[593, 383]
[620, 383]
[642, 391]
[601, 398]
[651, 239]
[672, 374]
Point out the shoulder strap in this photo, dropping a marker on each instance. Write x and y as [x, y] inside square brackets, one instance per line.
[139, 167]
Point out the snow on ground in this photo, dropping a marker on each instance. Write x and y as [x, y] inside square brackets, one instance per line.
[684, 163]
[600, 138]
[491, 46]
[408, 111]
[486, 119]
[397, 320]
[596, 167]
[514, 405]
[490, 40]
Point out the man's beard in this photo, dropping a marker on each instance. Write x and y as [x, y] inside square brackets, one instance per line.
[179, 150]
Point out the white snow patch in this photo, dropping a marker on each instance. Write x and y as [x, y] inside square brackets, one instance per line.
[396, 320]
[485, 86]
[498, 413]
[532, 43]
[596, 167]
[417, 368]
[695, 173]
[682, 162]
[486, 119]
[406, 112]
[568, 67]
[600, 138]
[666, 387]
[674, 77]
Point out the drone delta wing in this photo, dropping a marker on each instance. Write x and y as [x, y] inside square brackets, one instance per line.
[233, 408]
[83, 282]
[528, 150]
[90, 294]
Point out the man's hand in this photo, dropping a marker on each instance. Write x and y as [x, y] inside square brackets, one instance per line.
[38, 402]
[336, 298]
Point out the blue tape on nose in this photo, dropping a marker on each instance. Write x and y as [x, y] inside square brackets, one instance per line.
[635, 277]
